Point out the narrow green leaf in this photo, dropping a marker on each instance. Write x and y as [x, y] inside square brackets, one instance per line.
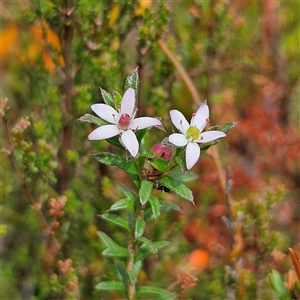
[148, 244]
[145, 191]
[154, 202]
[115, 141]
[277, 284]
[141, 133]
[122, 272]
[88, 118]
[153, 246]
[129, 167]
[131, 220]
[160, 164]
[205, 146]
[186, 177]
[160, 244]
[106, 239]
[127, 192]
[110, 286]
[166, 206]
[144, 292]
[116, 220]
[139, 228]
[148, 247]
[107, 97]
[180, 159]
[123, 204]
[224, 127]
[116, 251]
[118, 98]
[177, 187]
[132, 81]
[133, 274]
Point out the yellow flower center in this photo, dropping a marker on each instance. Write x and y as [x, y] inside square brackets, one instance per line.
[192, 133]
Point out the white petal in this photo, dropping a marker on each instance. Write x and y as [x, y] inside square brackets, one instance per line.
[130, 142]
[201, 117]
[209, 136]
[178, 139]
[106, 112]
[192, 154]
[179, 120]
[104, 132]
[144, 122]
[128, 102]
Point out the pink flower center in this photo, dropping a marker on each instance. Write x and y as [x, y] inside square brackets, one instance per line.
[124, 122]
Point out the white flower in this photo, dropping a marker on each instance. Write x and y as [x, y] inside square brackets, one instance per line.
[191, 134]
[122, 123]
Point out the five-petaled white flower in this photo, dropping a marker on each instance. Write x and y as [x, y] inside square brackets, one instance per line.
[191, 134]
[122, 123]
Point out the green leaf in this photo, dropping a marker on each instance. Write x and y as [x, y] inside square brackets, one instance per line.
[136, 268]
[107, 97]
[148, 247]
[166, 206]
[186, 177]
[224, 127]
[180, 159]
[145, 191]
[123, 204]
[139, 228]
[177, 187]
[116, 220]
[88, 118]
[115, 140]
[116, 251]
[106, 239]
[122, 272]
[132, 81]
[277, 284]
[131, 220]
[155, 206]
[144, 292]
[160, 164]
[129, 167]
[127, 192]
[148, 244]
[110, 286]
[160, 244]
[118, 98]
[141, 133]
[205, 146]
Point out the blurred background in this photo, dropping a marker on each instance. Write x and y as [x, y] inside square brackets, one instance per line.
[242, 56]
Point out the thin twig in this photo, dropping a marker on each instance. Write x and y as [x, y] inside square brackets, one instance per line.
[67, 99]
[182, 72]
[21, 181]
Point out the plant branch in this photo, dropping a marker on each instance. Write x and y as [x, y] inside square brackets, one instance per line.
[22, 183]
[67, 98]
[182, 72]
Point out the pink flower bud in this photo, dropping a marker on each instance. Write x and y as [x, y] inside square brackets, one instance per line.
[162, 151]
